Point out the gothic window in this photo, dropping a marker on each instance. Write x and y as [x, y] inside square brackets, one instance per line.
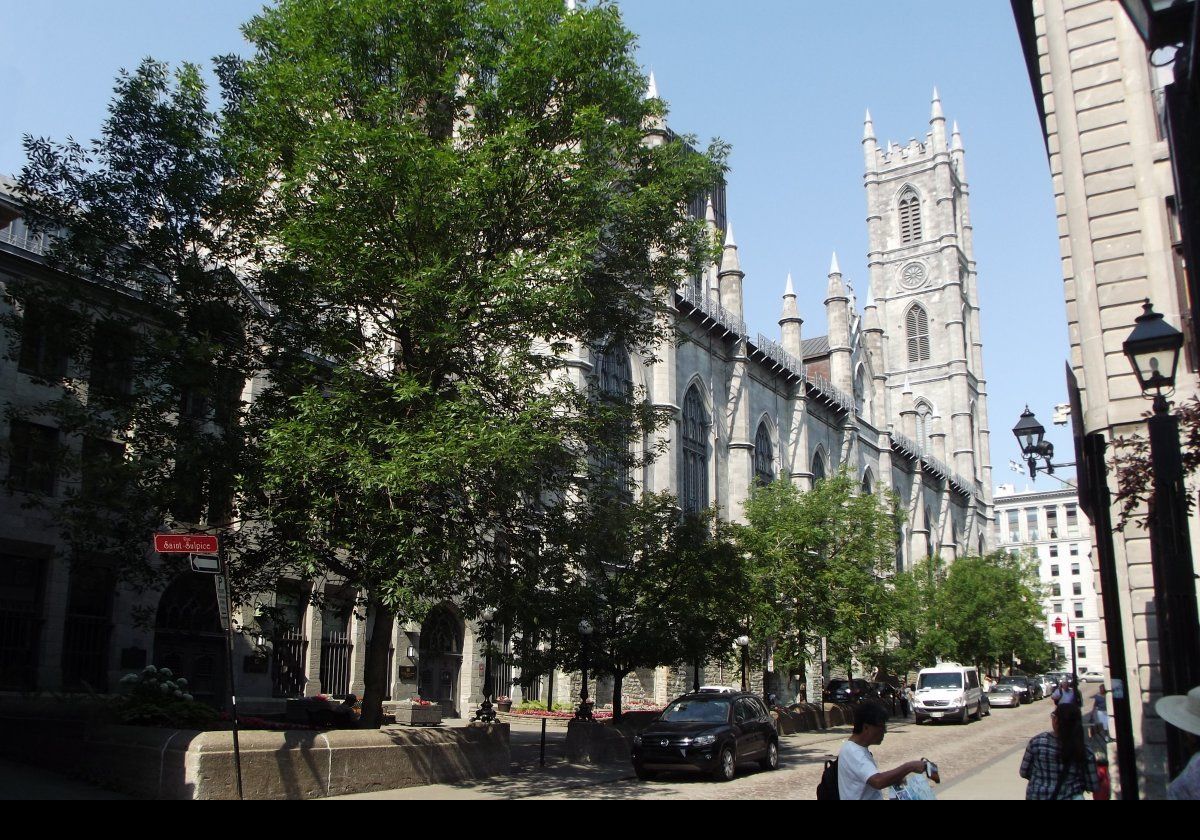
[764, 456]
[929, 539]
[916, 325]
[694, 484]
[818, 468]
[899, 546]
[860, 394]
[867, 485]
[924, 427]
[910, 217]
[615, 385]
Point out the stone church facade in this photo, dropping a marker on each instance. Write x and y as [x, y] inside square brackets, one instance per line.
[894, 392]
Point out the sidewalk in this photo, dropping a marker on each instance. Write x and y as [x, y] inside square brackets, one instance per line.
[24, 782]
[999, 780]
[526, 782]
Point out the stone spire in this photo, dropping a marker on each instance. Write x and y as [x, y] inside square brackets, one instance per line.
[711, 274]
[937, 123]
[652, 87]
[656, 125]
[790, 323]
[731, 275]
[837, 316]
[870, 146]
[871, 312]
[956, 152]
[835, 290]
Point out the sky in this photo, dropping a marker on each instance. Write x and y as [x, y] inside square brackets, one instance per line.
[785, 83]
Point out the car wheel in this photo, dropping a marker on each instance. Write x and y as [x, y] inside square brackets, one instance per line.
[771, 761]
[726, 766]
[643, 774]
[988, 710]
[918, 720]
[978, 711]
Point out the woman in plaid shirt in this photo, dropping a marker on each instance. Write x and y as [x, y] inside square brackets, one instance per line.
[1057, 764]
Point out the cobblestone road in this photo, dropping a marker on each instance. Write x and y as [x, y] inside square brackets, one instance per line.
[958, 750]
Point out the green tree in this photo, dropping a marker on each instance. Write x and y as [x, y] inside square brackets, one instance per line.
[821, 562]
[143, 326]
[452, 196]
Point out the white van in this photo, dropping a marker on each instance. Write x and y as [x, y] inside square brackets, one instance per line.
[949, 691]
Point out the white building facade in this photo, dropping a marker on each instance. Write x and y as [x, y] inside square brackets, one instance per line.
[1050, 526]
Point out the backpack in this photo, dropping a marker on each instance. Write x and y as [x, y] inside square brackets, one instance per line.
[827, 790]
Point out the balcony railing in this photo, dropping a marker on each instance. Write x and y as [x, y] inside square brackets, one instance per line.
[19, 236]
[775, 352]
[712, 309]
[831, 393]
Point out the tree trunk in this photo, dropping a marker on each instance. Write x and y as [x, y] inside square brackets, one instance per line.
[618, 678]
[375, 674]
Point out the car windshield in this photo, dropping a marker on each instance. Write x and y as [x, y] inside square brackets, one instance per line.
[1000, 689]
[697, 711]
[1012, 680]
[939, 681]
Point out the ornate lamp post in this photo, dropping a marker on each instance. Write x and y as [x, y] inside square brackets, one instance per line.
[584, 712]
[744, 643]
[486, 713]
[1031, 435]
[1153, 348]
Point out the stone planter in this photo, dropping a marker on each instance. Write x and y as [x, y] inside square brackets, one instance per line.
[418, 715]
[504, 705]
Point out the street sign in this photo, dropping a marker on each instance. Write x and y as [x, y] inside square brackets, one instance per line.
[186, 544]
[208, 564]
[222, 600]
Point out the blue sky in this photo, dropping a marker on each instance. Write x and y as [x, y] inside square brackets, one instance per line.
[786, 83]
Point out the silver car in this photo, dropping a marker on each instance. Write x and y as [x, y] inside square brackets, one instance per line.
[1004, 695]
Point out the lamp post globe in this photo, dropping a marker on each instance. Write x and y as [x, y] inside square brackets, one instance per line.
[743, 642]
[1153, 349]
[1029, 432]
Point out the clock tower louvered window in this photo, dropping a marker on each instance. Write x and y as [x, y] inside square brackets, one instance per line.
[910, 218]
[917, 327]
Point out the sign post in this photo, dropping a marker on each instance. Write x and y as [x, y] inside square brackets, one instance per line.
[207, 556]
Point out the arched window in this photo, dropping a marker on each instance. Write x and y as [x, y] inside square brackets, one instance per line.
[899, 545]
[924, 427]
[860, 393]
[614, 382]
[764, 456]
[868, 486]
[910, 217]
[929, 528]
[694, 451]
[916, 325]
[818, 467]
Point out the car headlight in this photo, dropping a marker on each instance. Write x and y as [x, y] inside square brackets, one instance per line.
[637, 740]
[704, 740]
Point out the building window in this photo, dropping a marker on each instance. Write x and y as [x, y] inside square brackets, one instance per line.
[1031, 522]
[1054, 570]
[924, 427]
[88, 626]
[764, 456]
[610, 454]
[1074, 550]
[1074, 568]
[112, 361]
[695, 452]
[1052, 522]
[818, 469]
[1078, 632]
[99, 469]
[910, 217]
[44, 349]
[21, 619]
[34, 461]
[1014, 526]
[1078, 606]
[1080, 652]
[1058, 606]
[1053, 551]
[867, 487]
[916, 324]
[1076, 588]
[1072, 521]
[1055, 590]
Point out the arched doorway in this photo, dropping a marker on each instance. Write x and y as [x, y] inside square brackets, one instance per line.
[188, 637]
[440, 658]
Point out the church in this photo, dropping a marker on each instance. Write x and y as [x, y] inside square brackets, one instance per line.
[894, 393]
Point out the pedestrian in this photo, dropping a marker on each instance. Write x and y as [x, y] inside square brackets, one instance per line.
[1065, 693]
[1104, 789]
[1183, 712]
[1100, 715]
[902, 690]
[1057, 763]
[859, 777]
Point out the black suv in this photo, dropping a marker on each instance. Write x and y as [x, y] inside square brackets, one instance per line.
[711, 731]
[854, 691]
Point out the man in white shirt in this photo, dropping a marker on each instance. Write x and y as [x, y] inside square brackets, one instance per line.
[858, 775]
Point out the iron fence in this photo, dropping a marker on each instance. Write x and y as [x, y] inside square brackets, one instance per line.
[19, 635]
[335, 664]
[85, 652]
[288, 664]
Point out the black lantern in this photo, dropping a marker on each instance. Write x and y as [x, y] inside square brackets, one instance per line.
[1153, 349]
[1029, 432]
[1160, 22]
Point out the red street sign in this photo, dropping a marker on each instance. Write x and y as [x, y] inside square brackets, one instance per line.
[185, 544]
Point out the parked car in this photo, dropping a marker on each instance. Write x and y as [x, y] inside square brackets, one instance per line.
[1021, 684]
[843, 691]
[1036, 692]
[710, 731]
[1049, 683]
[1090, 676]
[1004, 695]
[948, 691]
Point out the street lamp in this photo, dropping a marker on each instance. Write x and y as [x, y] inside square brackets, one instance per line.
[584, 712]
[1153, 349]
[486, 713]
[743, 642]
[1031, 435]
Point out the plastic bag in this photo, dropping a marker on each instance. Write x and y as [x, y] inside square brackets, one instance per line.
[914, 786]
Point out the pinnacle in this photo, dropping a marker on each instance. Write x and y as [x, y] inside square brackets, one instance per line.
[833, 265]
[956, 138]
[937, 107]
[652, 87]
[729, 242]
[868, 127]
[729, 257]
[710, 214]
[789, 290]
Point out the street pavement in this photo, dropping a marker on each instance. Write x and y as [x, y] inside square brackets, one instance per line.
[977, 761]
